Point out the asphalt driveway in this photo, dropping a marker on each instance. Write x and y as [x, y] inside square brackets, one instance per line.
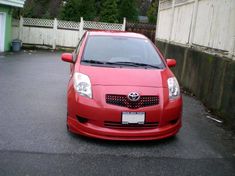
[34, 140]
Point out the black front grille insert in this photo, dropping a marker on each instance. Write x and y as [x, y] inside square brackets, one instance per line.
[120, 125]
[82, 119]
[122, 100]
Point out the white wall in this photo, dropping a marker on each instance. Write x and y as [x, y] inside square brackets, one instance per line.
[45, 36]
[68, 38]
[181, 25]
[207, 23]
[164, 24]
[39, 36]
[215, 24]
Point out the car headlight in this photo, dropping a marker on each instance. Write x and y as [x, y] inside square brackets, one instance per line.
[82, 85]
[173, 87]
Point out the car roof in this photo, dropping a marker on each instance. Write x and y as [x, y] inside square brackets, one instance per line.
[116, 33]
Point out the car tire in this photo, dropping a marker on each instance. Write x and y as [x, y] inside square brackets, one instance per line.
[69, 131]
[67, 126]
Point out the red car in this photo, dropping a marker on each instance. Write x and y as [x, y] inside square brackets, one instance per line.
[121, 88]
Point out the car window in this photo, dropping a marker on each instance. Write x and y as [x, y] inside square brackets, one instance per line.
[78, 48]
[121, 49]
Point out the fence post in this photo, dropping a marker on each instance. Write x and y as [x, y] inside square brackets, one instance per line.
[124, 24]
[81, 28]
[21, 24]
[54, 33]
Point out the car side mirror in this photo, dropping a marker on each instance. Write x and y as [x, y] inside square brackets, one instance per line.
[67, 57]
[171, 62]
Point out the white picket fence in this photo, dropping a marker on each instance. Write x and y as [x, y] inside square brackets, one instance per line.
[57, 33]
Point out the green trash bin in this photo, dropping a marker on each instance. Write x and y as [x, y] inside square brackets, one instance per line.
[16, 45]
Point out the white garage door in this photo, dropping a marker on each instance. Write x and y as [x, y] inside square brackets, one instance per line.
[2, 31]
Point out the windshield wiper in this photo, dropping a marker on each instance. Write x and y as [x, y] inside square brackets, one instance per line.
[91, 61]
[133, 64]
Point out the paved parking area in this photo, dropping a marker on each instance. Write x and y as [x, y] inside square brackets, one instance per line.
[34, 140]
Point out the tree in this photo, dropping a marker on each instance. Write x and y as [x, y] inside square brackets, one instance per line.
[69, 11]
[143, 6]
[54, 8]
[41, 8]
[109, 11]
[74, 9]
[152, 12]
[128, 9]
[98, 6]
[87, 9]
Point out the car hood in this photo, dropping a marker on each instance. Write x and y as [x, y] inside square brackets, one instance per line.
[125, 76]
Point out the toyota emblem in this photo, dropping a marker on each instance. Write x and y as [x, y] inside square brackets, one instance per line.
[133, 96]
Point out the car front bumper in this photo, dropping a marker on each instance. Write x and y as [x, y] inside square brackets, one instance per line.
[96, 111]
[91, 130]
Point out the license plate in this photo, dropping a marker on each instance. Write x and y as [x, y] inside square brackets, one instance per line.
[133, 118]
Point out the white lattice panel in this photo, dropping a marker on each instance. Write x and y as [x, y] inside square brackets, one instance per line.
[38, 22]
[68, 25]
[102, 26]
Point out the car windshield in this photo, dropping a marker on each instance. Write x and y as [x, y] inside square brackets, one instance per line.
[121, 51]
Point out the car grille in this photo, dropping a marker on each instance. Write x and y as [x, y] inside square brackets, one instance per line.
[122, 100]
[120, 125]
